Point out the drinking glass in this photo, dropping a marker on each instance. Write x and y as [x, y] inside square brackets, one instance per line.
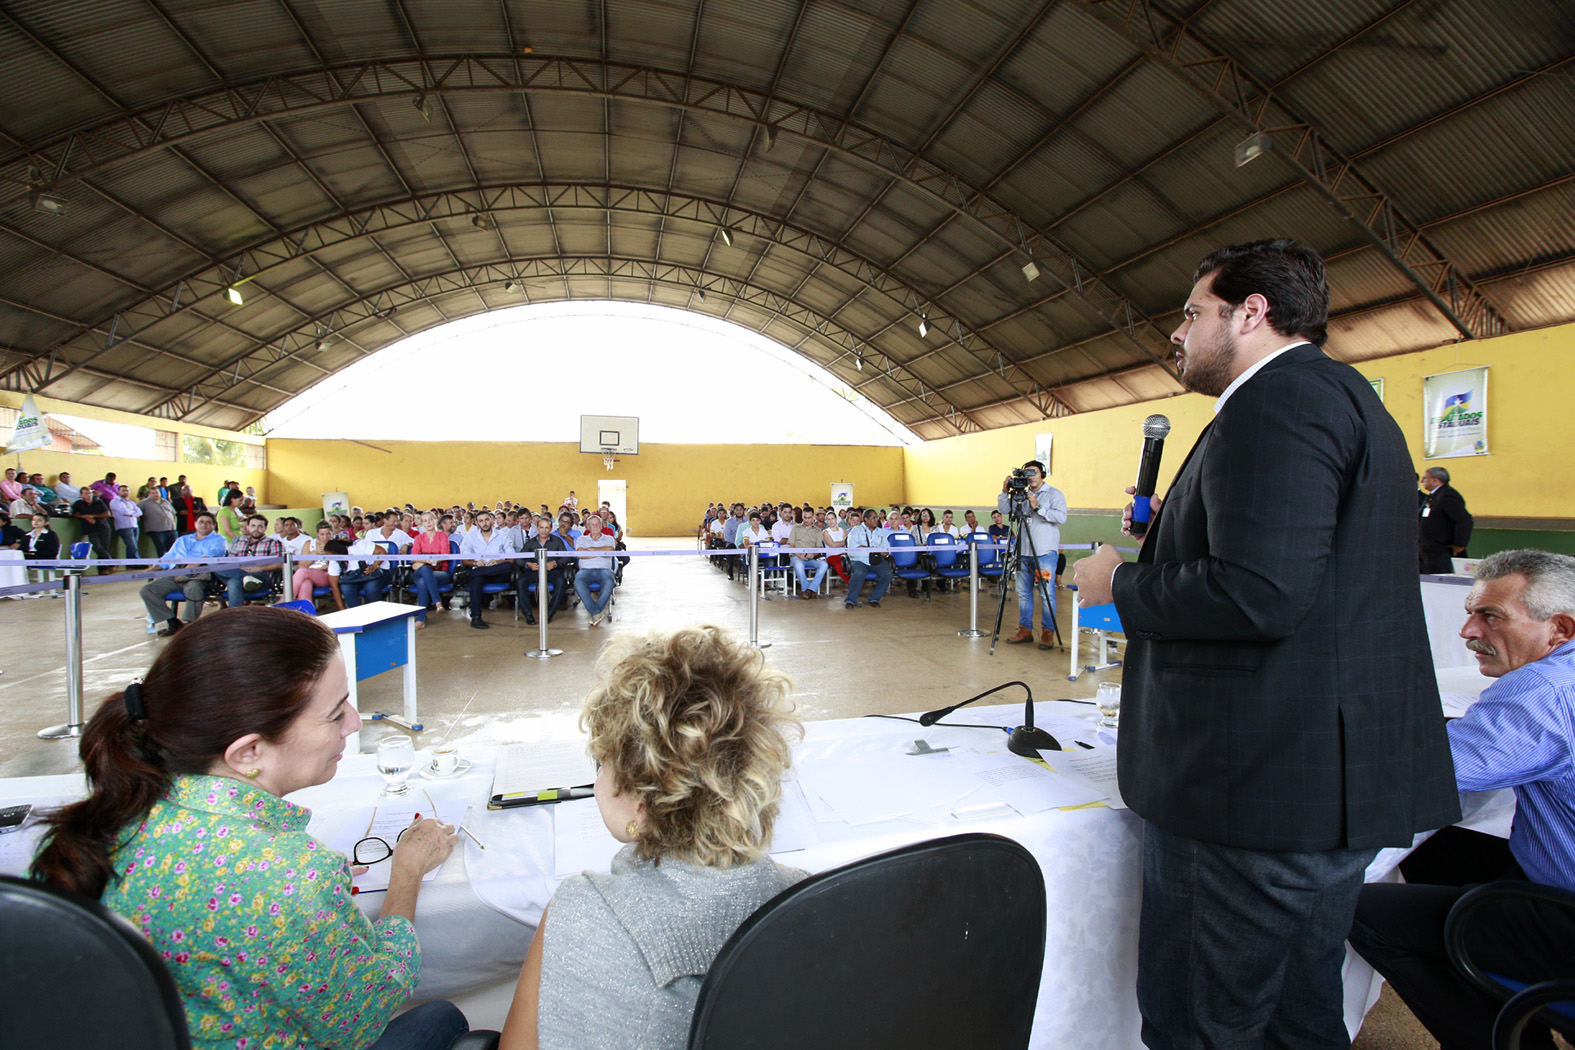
[396, 757]
[1108, 697]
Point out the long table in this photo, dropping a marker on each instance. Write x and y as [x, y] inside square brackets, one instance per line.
[476, 919]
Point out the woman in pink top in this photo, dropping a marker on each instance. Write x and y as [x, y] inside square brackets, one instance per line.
[428, 576]
[316, 574]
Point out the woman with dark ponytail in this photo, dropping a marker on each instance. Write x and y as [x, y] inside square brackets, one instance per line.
[186, 833]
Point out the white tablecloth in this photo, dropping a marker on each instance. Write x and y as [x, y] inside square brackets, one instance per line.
[13, 569]
[476, 919]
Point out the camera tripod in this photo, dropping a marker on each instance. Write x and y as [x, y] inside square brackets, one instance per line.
[1023, 539]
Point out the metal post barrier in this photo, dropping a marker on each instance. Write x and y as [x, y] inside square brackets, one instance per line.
[973, 594]
[287, 592]
[541, 652]
[752, 578]
[73, 723]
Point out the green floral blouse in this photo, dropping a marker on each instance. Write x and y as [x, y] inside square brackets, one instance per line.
[255, 920]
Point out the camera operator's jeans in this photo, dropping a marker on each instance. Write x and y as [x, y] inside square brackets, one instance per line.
[1027, 587]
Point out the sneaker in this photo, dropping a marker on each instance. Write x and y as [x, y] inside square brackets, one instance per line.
[479, 624]
[850, 605]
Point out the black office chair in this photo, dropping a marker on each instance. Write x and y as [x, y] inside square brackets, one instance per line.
[939, 944]
[80, 977]
[1551, 1002]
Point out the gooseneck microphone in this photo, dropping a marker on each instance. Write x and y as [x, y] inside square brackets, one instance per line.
[1154, 430]
[1026, 739]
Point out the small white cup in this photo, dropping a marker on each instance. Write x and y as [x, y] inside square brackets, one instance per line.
[445, 760]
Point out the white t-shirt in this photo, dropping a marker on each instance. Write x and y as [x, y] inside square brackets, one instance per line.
[606, 541]
[399, 538]
[782, 530]
[836, 534]
[296, 545]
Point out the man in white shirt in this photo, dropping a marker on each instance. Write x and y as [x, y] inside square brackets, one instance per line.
[595, 570]
[483, 549]
[65, 490]
[125, 514]
[868, 547]
[291, 536]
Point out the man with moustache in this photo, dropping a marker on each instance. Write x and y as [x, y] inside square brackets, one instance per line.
[1280, 720]
[1521, 626]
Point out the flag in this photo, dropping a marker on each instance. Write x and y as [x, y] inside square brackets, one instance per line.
[31, 431]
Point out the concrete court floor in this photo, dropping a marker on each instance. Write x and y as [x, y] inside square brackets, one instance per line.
[479, 687]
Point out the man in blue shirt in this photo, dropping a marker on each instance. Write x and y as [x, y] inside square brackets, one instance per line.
[868, 544]
[1519, 735]
[193, 548]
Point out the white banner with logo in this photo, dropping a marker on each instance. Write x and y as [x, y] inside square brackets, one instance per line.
[841, 495]
[1454, 414]
[336, 503]
[31, 431]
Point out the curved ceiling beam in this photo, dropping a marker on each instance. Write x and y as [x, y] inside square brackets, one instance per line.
[383, 303]
[130, 134]
[206, 286]
[1224, 83]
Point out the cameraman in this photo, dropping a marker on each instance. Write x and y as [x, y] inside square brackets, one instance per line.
[1043, 510]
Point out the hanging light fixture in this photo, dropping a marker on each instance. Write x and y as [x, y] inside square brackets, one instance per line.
[727, 236]
[924, 325]
[233, 294]
[423, 106]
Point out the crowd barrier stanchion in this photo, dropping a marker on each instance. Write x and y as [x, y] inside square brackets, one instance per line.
[73, 723]
[752, 578]
[287, 592]
[973, 594]
[541, 652]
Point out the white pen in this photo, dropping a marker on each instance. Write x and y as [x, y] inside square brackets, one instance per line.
[473, 837]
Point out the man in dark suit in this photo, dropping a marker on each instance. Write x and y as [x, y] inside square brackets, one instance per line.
[1443, 523]
[1280, 721]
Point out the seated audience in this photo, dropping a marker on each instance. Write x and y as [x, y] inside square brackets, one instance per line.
[192, 549]
[678, 722]
[482, 550]
[544, 539]
[835, 534]
[66, 491]
[752, 534]
[365, 579]
[1519, 735]
[805, 534]
[595, 570]
[253, 542]
[266, 947]
[291, 537]
[868, 543]
[158, 521]
[28, 504]
[46, 495]
[428, 576]
[11, 536]
[319, 573]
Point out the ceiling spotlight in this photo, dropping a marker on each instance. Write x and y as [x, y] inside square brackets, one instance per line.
[1252, 147]
[233, 294]
[1030, 271]
[47, 202]
[480, 221]
[858, 362]
[924, 327]
[771, 137]
[701, 293]
[423, 106]
[511, 286]
[727, 236]
[322, 344]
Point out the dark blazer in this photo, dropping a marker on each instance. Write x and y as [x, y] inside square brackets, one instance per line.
[1278, 692]
[45, 548]
[1445, 526]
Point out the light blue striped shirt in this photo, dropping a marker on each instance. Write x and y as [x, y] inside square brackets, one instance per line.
[1521, 735]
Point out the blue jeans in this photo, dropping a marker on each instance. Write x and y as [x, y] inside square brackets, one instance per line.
[1027, 587]
[162, 542]
[425, 581]
[1242, 948]
[359, 588]
[128, 540]
[430, 1026]
[859, 571]
[582, 587]
[817, 566]
[232, 579]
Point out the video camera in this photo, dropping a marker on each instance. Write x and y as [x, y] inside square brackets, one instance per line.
[1017, 482]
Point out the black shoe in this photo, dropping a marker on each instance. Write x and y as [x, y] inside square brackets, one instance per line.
[445, 605]
[874, 604]
[431, 607]
[173, 626]
[479, 624]
[531, 621]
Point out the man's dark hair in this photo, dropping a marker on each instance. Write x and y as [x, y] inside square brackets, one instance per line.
[205, 514]
[256, 517]
[1287, 273]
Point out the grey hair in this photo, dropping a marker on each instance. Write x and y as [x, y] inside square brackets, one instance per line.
[1438, 472]
[1550, 579]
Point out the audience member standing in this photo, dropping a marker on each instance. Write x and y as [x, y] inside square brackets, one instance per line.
[125, 514]
[67, 492]
[158, 521]
[93, 512]
[1443, 523]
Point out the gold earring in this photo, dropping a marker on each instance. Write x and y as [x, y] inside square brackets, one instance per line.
[252, 772]
[631, 829]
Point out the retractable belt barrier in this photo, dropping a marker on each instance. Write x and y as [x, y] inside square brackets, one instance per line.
[74, 579]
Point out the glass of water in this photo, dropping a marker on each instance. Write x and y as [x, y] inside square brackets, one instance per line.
[396, 757]
[1108, 697]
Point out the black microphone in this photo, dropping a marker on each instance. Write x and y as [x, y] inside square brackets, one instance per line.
[1025, 740]
[1154, 430]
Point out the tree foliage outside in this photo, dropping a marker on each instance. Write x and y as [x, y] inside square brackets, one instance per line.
[213, 451]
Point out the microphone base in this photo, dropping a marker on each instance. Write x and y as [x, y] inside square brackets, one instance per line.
[1028, 742]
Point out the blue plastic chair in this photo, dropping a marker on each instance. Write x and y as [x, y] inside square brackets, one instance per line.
[947, 561]
[300, 605]
[906, 561]
[990, 563]
[774, 568]
[81, 549]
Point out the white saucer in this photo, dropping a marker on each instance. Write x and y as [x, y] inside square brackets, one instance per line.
[432, 774]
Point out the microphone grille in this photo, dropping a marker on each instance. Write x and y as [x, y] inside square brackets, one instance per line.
[1156, 427]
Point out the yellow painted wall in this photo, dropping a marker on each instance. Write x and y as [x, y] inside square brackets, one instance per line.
[669, 485]
[1530, 385]
[205, 480]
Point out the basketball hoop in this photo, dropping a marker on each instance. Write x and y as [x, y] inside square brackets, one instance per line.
[608, 459]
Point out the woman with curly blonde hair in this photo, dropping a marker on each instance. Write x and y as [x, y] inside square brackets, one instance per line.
[691, 737]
